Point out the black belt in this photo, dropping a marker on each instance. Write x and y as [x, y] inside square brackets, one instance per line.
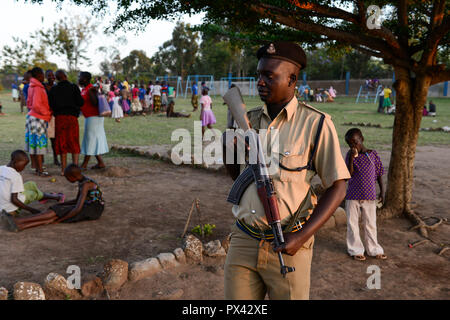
[267, 234]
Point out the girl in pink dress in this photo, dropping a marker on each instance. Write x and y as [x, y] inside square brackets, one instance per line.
[206, 116]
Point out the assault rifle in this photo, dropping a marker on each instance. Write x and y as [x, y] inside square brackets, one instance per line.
[256, 172]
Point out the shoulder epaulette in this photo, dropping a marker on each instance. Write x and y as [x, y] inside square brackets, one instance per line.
[257, 109]
[314, 109]
[254, 116]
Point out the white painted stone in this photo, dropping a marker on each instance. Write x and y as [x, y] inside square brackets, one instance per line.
[28, 291]
[115, 274]
[144, 269]
[56, 287]
[340, 217]
[331, 223]
[193, 248]
[214, 249]
[3, 293]
[167, 260]
[179, 255]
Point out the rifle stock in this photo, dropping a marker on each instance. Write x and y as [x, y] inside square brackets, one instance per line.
[235, 103]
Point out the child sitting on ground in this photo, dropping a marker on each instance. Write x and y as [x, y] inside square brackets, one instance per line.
[88, 205]
[171, 114]
[14, 194]
[366, 170]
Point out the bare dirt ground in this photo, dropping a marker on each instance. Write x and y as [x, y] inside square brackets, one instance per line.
[147, 205]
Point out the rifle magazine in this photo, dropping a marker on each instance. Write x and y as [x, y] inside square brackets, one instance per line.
[240, 185]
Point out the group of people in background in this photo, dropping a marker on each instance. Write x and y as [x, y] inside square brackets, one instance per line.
[315, 95]
[54, 105]
[127, 99]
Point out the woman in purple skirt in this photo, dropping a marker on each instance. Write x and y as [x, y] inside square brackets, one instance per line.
[206, 116]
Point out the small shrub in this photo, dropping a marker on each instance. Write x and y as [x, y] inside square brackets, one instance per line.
[205, 230]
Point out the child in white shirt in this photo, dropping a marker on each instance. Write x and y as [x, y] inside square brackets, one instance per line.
[14, 194]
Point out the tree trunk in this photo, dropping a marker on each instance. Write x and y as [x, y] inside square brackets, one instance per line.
[411, 96]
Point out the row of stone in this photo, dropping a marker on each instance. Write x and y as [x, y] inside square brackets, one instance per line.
[117, 272]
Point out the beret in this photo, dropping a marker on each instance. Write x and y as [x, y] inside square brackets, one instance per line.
[283, 50]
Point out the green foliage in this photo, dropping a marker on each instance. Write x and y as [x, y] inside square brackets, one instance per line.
[326, 64]
[135, 63]
[179, 54]
[24, 55]
[204, 230]
[70, 39]
[220, 54]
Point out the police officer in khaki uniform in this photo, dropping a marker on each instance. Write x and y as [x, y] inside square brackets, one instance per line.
[308, 145]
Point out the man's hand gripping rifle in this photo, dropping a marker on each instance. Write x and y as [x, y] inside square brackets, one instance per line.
[256, 172]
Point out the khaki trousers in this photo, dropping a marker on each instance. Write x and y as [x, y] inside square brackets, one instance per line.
[252, 270]
[368, 211]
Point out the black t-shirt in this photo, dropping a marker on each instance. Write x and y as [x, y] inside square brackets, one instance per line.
[65, 99]
[432, 107]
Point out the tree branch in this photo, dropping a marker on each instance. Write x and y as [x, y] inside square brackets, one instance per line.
[437, 14]
[432, 42]
[367, 51]
[325, 11]
[286, 18]
[440, 75]
[382, 32]
[402, 15]
[358, 20]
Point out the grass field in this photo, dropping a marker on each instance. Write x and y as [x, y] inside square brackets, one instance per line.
[157, 129]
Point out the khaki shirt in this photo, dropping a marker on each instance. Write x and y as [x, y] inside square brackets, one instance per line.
[297, 126]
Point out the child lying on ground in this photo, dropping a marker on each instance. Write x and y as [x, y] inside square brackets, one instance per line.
[88, 205]
[14, 194]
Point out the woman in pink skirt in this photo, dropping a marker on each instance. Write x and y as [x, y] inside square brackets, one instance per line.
[206, 116]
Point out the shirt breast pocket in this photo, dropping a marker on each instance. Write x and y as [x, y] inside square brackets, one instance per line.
[290, 165]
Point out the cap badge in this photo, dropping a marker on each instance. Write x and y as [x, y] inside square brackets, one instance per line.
[271, 49]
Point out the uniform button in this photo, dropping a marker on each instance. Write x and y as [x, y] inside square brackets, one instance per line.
[253, 211]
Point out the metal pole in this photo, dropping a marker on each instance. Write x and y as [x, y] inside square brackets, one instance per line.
[347, 82]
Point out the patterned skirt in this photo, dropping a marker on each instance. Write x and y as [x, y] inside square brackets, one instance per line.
[36, 141]
[67, 135]
[136, 105]
[156, 103]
